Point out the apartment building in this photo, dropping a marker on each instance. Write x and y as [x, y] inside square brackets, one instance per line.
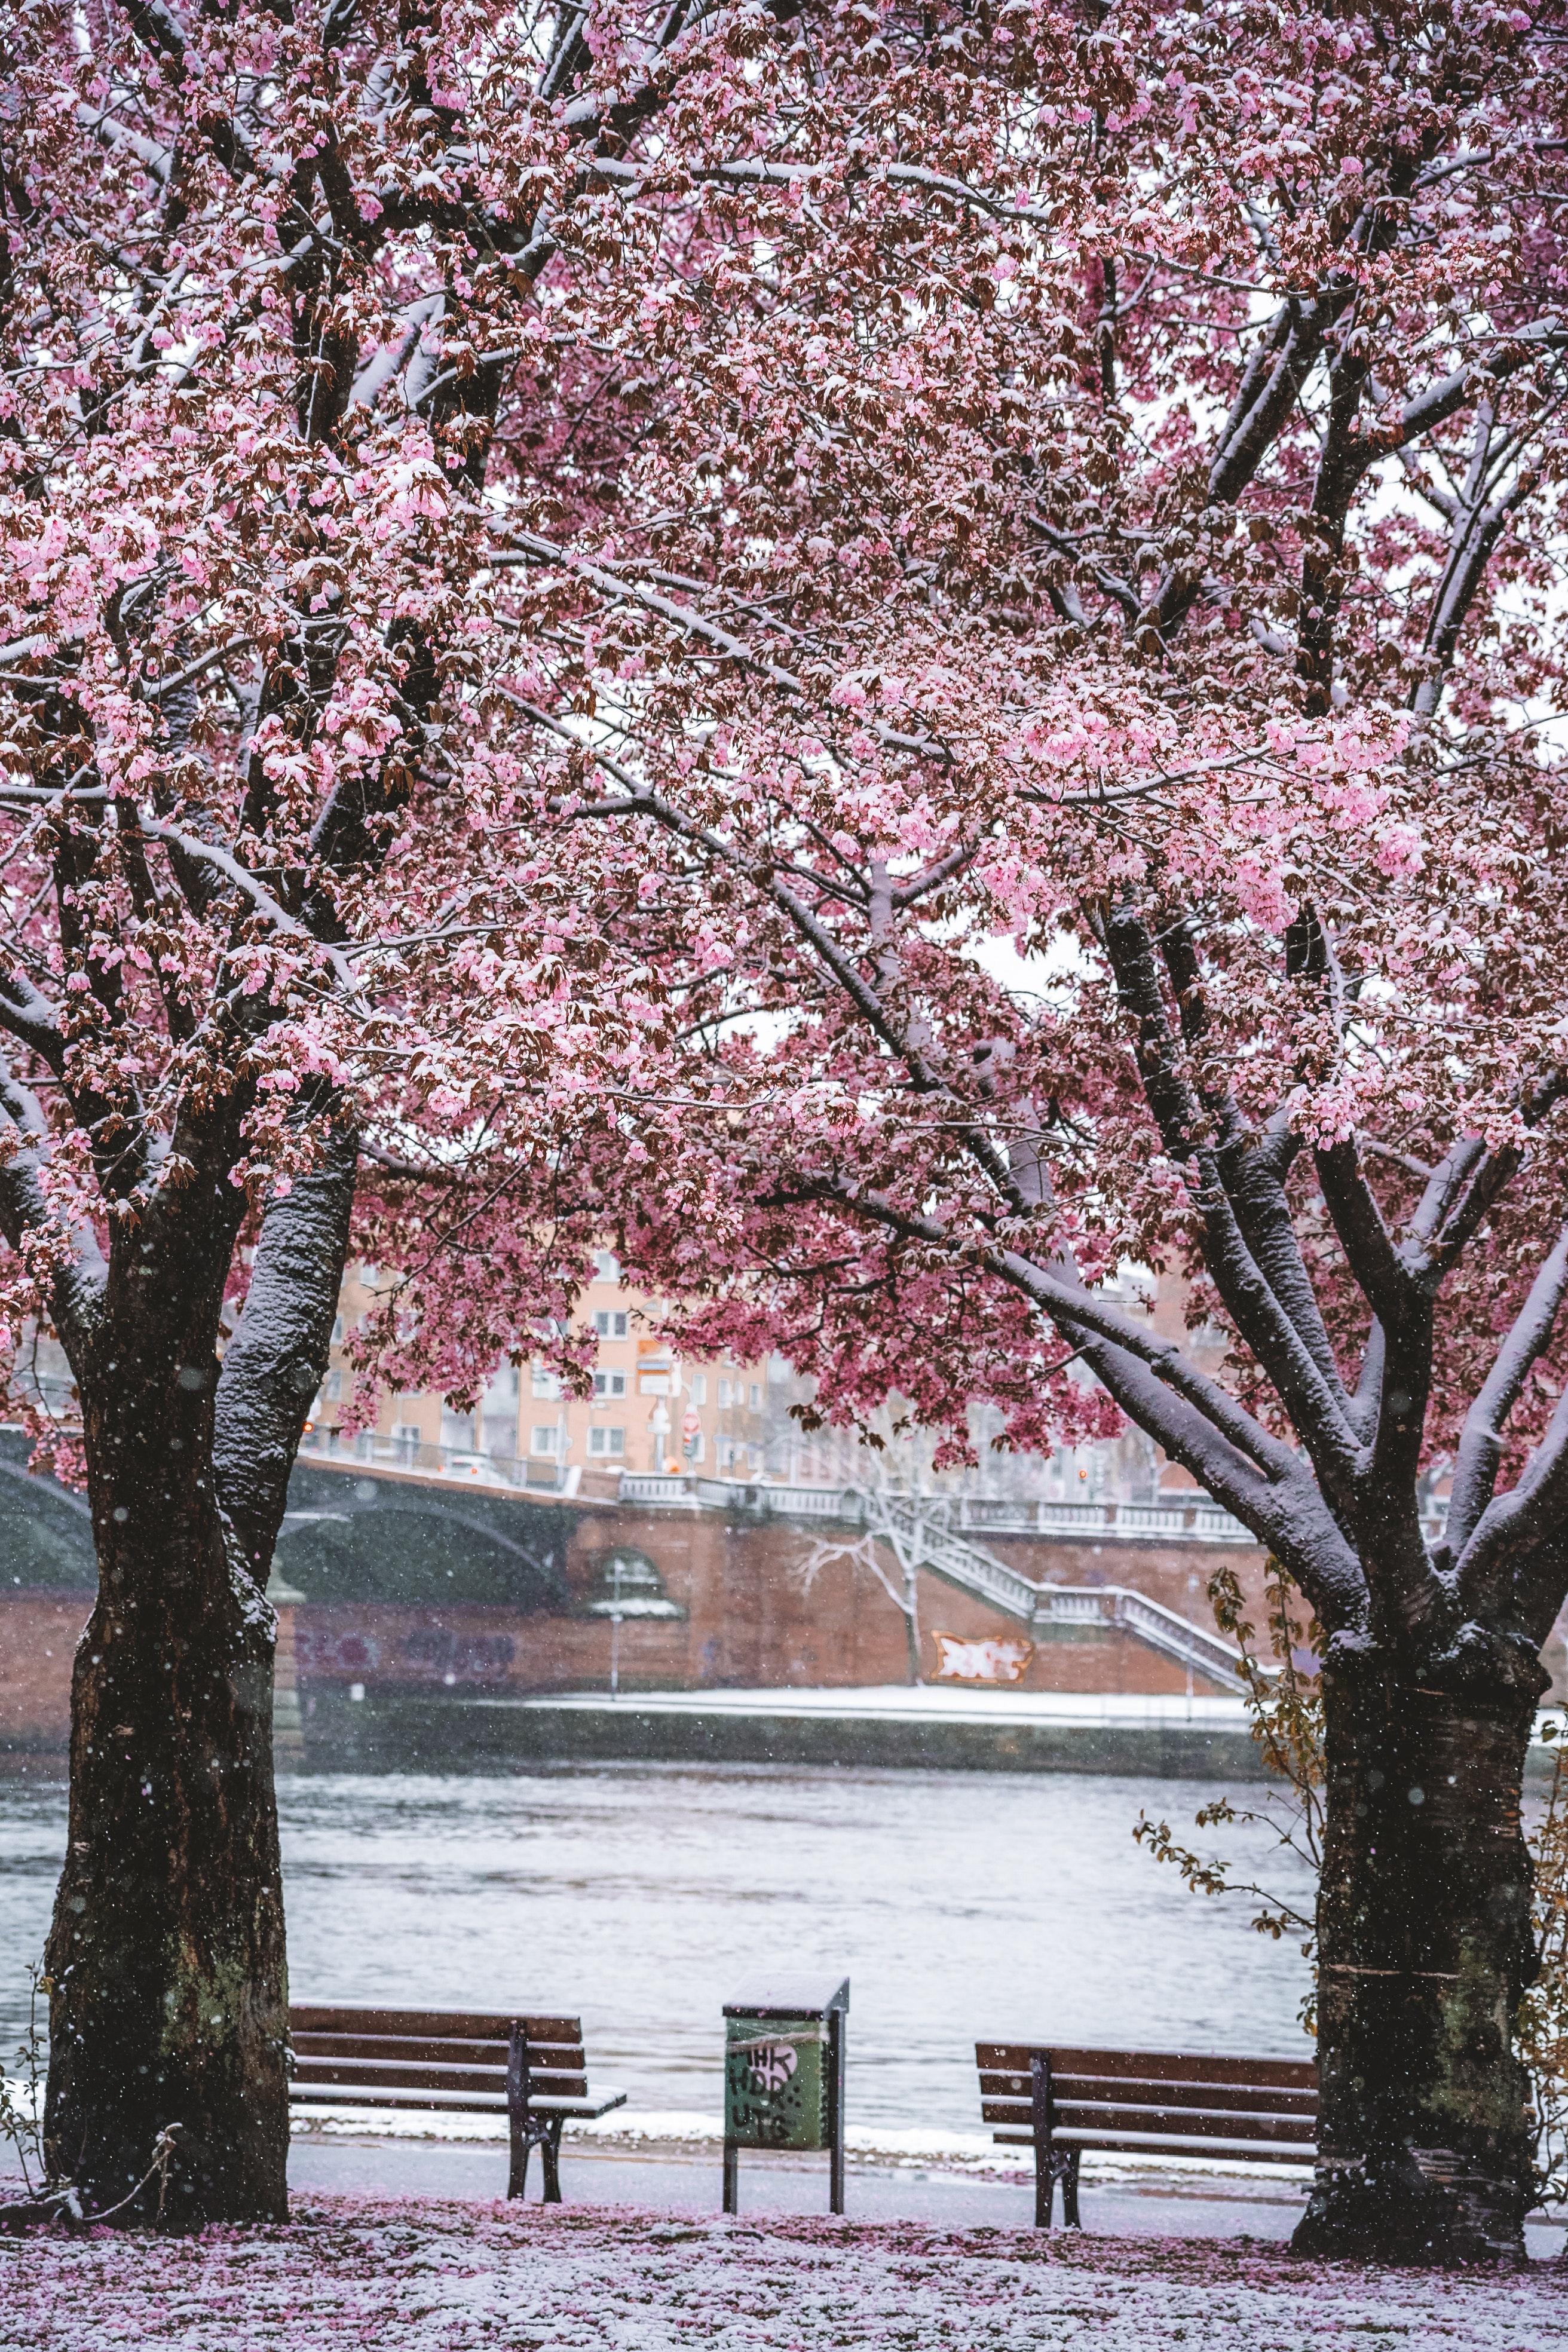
[650, 1409]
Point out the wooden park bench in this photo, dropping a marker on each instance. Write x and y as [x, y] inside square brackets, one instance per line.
[1059, 2101]
[453, 2061]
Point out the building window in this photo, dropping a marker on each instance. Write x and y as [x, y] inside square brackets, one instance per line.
[337, 1328]
[699, 1388]
[546, 1383]
[606, 1267]
[609, 1384]
[607, 1441]
[723, 1394]
[729, 1453]
[545, 1438]
[334, 1384]
[610, 1323]
[756, 1396]
[405, 1442]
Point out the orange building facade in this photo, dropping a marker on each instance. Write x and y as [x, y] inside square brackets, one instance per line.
[649, 1410]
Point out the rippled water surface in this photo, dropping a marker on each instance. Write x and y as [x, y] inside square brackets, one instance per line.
[958, 1904]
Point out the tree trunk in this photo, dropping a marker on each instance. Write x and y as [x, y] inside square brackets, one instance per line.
[170, 1996]
[169, 1993]
[1424, 1949]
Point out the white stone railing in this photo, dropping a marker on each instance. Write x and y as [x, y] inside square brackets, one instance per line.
[1199, 1521]
[460, 1464]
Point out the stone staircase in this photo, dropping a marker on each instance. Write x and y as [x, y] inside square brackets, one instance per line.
[914, 1528]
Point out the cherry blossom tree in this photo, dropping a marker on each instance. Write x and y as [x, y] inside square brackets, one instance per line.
[895, 654]
[265, 273]
[1059, 595]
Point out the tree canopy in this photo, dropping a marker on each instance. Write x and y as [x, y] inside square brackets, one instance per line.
[895, 656]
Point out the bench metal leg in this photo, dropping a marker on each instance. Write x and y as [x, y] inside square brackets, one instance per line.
[1044, 2153]
[732, 2178]
[550, 2149]
[1049, 2170]
[517, 2088]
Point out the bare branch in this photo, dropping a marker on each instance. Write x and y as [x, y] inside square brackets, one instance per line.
[1207, 1137]
[1511, 1522]
[1481, 1441]
[1375, 1259]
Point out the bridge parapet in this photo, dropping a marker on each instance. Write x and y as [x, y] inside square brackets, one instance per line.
[1199, 1521]
[383, 1456]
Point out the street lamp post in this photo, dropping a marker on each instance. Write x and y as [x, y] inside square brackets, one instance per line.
[615, 1627]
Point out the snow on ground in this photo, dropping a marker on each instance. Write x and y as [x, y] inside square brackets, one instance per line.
[884, 2146]
[441, 2277]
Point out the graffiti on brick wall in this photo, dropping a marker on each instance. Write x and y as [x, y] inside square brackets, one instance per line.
[961, 1659]
[423, 1653]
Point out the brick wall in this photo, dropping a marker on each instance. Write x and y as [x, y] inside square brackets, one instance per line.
[762, 1602]
[753, 1616]
[39, 1634]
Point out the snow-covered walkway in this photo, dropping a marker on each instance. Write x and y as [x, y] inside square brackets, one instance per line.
[476, 2278]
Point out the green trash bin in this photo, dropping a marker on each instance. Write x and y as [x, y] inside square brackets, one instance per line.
[783, 2073]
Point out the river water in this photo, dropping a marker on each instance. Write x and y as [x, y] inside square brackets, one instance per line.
[959, 1904]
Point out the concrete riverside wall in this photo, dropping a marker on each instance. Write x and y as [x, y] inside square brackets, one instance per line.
[401, 1730]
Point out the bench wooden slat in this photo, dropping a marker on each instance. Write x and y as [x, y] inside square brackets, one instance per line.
[1222, 2123]
[456, 2079]
[1253, 2152]
[1188, 2123]
[387, 2055]
[358, 2095]
[427, 2024]
[1146, 2065]
[598, 2101]
[1110, 2091]
[424, 2078]
[409, 2050]
[434, 2078]
[1190, 2144]
[1216, 2099]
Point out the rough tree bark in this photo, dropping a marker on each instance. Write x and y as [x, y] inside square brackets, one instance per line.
[1433, 1669]
[1424, 1951]
[169, 1986]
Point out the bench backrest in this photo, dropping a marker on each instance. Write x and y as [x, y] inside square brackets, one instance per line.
[1138, 2098]
[451, 2058]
